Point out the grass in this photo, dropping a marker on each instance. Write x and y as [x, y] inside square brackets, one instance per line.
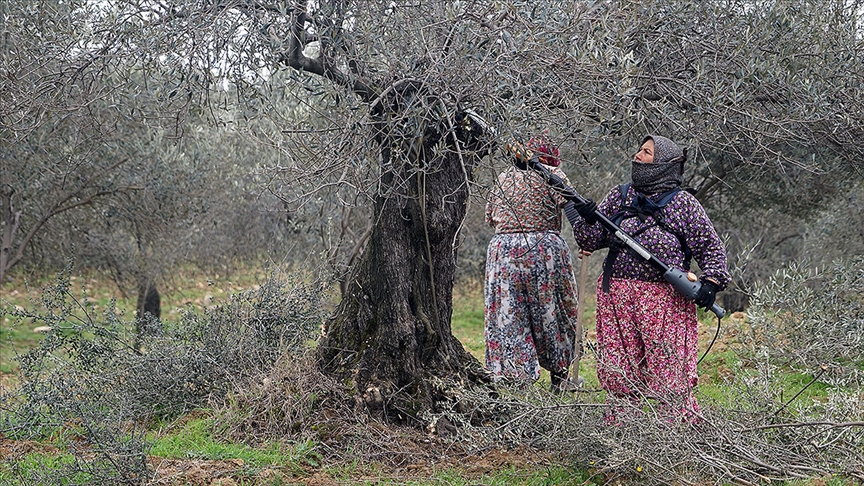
[14, 340]
[21, 472]
[551, 476]
[196, 439]
[467, 320]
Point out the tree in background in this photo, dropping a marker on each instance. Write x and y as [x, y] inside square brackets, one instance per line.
[105, 159]
[67, 128]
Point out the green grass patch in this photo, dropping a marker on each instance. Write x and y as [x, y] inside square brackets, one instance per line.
[195, 439]
[15, 339]
[792, 383]
[551, 475]
[24, 471]
[467, 321]
[716, 373]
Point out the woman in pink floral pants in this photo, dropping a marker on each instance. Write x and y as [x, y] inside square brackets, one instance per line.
[647, 340]
[646, 332]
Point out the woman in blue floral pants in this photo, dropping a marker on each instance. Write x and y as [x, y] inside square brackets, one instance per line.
[530, 291]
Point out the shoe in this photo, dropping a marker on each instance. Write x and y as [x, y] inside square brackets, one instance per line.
[567, 385]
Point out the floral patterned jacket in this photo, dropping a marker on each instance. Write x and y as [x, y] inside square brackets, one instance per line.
[522, 202]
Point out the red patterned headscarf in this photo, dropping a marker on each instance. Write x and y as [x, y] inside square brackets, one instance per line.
[542, 144]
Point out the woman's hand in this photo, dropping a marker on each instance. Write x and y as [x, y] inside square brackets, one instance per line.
[520, 153]
[588, 210]
[707, 294]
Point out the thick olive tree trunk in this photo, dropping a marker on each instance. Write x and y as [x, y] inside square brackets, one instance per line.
[391, 332]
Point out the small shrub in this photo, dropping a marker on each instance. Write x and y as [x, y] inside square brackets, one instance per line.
[806, 317]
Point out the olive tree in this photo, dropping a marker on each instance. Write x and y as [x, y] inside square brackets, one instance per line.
[105, 159]
[67, 126]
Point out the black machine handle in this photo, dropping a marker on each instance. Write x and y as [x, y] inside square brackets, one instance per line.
[687, 286]
[684, 282]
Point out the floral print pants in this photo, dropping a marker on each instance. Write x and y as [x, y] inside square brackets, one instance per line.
[530, 305]
[647, 342]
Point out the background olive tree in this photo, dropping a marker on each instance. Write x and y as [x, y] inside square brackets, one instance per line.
[107, 160]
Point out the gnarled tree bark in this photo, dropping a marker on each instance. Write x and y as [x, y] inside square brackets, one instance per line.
[391, 334]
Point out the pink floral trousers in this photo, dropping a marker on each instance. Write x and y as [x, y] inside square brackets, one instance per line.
[647, 342]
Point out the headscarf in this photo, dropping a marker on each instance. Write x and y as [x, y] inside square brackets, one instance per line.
[542, 144]
[665, 173]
